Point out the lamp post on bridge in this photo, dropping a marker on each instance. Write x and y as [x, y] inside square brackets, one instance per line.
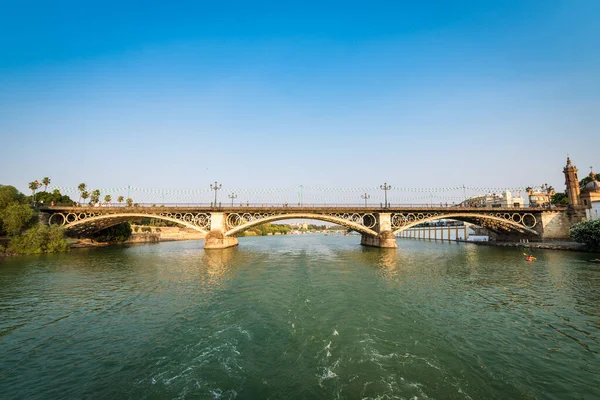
[215, 188]
[385, 187]
[365, 196]
[232, 196]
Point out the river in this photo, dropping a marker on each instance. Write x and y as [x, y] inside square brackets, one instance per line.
[300, 317]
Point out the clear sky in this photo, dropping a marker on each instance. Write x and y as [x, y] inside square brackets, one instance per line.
[258, 95]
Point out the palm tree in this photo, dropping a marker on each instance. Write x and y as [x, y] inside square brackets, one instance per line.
[82, 188]
[107, 199]
[34, 186]
[120, 199]
[95, 196]
[129, 202]
[45, 182]
[85, 194]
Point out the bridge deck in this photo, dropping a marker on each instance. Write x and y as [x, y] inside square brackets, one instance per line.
[289, 209]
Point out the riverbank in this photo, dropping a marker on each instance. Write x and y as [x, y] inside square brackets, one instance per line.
[562, 245]
[160, 234]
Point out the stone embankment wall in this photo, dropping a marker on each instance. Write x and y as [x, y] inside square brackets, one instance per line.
[165, 233]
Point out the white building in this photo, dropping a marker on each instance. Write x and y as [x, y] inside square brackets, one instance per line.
[504, 200]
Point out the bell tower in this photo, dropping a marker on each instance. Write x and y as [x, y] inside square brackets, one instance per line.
[572, 183]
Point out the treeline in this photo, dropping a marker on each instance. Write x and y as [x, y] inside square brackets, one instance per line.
[266, 229]
[19, 225]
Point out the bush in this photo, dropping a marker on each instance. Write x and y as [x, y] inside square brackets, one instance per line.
[39, 239]
[115, 234]
[136, 228]
[587, 232]
[146, 229]
[15, 218]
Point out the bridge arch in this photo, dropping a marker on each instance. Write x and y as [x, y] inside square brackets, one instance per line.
[320, 217]
[98, 222]
[470, 218]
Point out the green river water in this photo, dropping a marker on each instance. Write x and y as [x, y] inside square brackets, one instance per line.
[300, 317]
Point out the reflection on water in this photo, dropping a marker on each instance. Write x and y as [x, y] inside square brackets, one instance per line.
[300, 317]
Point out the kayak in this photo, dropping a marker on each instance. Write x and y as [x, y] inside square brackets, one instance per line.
[530, 258]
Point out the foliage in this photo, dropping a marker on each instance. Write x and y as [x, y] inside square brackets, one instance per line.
[146, 229]
[587, 180]
[46, 182]
[56, 197]
[560, 198]
[120, 199]
[84, 195]
[39, 239]
[136, 228]
[33, 186]
[15, 218]
[266, 229]
[115, 234]
[95, 198]
[82, 187]
[10, 194]
[107, 199]
[129, 202]
[587, 232]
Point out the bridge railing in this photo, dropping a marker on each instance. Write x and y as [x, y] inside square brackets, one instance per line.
[303, 206]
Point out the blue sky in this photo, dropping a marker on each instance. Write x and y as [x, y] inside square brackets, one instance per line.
[264, 95]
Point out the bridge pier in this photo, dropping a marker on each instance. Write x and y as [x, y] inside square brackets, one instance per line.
[384, 240]
[385, 237]
[216, 239]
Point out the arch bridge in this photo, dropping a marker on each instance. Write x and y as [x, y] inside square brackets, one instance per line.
[378, 226]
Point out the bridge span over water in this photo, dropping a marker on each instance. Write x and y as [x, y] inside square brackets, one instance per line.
[377, 225]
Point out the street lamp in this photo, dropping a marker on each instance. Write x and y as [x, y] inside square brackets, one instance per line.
[232, 196]
[215, 188]
[365, 196]
[385, 187]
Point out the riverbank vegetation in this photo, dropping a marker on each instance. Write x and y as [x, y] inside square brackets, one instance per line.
[587, 232]
[19, 224]
[115, 234]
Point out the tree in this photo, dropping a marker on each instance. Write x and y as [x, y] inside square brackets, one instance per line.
[129, 202]
[45, 182]
[55, 197]
[84, 195]
[15, 218]
[95, 198]
[82, 188]
[107, 199]
[115, 234]
[120, 199]
[587, 232]
[35, 185]
[560, 198]
[39, 239]
[10, 194]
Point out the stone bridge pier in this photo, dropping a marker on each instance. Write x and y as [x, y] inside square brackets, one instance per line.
[385, 235]
[216, 237]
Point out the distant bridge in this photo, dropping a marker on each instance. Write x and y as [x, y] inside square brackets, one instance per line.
[377, 225]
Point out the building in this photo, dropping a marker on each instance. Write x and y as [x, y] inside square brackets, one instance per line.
[590, 197]
[572, 184]
[543, 198]
[504, 200]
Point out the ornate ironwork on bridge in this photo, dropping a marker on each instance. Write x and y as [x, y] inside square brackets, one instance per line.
[87, 219]
[521, 221]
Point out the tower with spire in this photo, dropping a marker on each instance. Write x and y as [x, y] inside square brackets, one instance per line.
[572, 183]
